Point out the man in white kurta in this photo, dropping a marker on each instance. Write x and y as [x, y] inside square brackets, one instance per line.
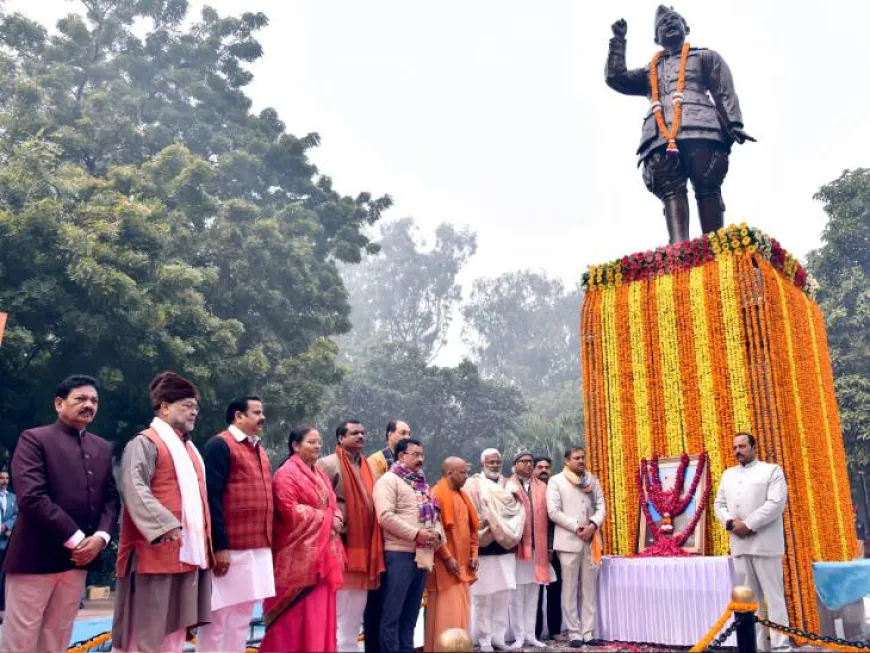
[750, 503]
[239, 481]
[502, 520]
[575, 504]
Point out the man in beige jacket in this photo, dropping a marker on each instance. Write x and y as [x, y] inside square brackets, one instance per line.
[408, 516]
[575, 504]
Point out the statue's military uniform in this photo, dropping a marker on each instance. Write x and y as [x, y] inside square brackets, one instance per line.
[710, 111]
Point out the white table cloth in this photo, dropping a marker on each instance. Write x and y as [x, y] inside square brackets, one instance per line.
[663, 600]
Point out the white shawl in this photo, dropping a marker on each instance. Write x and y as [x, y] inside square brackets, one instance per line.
[503, 512]
[192, 518]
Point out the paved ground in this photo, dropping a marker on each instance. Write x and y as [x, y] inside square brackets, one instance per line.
[97, 609]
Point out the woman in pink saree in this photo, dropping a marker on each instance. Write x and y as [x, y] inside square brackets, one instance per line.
[307, 551]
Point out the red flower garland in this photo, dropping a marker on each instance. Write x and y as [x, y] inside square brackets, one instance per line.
[662, 544]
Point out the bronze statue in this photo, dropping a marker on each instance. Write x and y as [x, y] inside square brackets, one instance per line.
[693, 86]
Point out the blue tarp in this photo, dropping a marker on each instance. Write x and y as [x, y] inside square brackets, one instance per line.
[85, 629]
[840, 583]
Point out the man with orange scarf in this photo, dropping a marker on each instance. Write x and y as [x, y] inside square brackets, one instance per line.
[533, 567]
[456, 563]
[353, 481]
[575, 503]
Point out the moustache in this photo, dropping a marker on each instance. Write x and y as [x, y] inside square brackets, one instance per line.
[261, 422]
[86, 411]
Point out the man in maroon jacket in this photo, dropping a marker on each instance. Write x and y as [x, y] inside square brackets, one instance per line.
[239, 481]
[67, 510]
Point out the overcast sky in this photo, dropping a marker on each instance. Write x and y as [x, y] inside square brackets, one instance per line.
[494, 114]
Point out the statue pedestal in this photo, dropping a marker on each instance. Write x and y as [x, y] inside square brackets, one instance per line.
[687, 345]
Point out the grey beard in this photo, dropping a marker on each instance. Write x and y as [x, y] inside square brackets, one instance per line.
[492, 476]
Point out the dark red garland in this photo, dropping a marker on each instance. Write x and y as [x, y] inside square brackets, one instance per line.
[662, 544]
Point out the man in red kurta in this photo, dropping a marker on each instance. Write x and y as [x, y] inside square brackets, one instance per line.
[456, 563]
[239, 481]
[165, 552]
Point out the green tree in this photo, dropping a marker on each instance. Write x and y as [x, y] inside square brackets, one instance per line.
[408, 293]
[523, 329]
[452, 410]
[149, 220]
[842, 267]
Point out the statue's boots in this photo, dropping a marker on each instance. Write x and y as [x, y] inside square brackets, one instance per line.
[711, 210]
[676, 210]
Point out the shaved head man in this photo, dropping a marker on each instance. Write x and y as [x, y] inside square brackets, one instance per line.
[456, 563]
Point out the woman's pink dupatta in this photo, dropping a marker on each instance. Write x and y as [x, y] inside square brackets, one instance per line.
[305, 549]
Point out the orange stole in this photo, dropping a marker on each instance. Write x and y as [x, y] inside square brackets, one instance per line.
[525, 549]
[461, 538]
[364, 544]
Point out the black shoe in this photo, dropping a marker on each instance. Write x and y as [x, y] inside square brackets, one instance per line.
[575, 643]
[595, 642]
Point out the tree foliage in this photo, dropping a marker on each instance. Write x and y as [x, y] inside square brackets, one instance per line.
[149, 220]
[451, 409]
[408, 293]
[523, 329]
[842, 267]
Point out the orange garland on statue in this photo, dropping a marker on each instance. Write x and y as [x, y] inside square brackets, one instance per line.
[658, 109]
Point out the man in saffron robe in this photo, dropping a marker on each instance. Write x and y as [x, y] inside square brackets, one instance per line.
[533, 568]
[239, 482]
[353, 481]
[456, 563]
[165, 550]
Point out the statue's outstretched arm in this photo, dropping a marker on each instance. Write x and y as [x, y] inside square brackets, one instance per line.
[619, 77]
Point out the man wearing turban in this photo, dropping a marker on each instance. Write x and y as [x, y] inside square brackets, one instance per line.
[165, 550]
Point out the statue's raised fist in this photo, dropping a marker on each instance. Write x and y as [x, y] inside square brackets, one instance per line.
[620, 28]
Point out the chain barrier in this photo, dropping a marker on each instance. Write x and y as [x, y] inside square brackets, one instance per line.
[799, 634]
[719, 642]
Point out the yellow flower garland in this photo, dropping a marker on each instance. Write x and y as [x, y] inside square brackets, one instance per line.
[683, 347]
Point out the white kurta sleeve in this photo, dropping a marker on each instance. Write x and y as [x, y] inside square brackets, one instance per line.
[554, 509]
[774, 504]
[720, 504]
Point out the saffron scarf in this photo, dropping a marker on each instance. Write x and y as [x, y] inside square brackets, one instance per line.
[364, 543]
[305, 549]
[428, 505]
[535, 509]
[441, 492]
[584, 484]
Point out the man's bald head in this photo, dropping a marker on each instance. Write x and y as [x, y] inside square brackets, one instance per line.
[455, 471]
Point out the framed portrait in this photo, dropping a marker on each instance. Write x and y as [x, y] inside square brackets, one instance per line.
[668, 467]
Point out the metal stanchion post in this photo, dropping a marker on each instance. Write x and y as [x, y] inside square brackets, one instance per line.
[745, 621]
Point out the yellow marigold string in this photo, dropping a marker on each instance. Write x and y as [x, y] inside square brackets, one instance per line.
[94, 642]
[669, 134]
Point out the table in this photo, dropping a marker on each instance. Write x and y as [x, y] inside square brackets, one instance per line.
[841, 588]
[663, 600]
